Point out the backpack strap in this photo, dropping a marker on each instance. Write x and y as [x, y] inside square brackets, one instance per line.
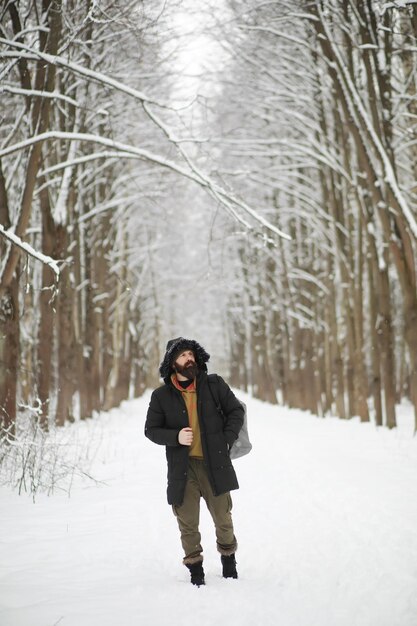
[213, 385]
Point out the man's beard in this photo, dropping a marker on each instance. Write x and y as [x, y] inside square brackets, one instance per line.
[189, 370]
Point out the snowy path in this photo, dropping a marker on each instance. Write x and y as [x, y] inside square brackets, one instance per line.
[326, 520]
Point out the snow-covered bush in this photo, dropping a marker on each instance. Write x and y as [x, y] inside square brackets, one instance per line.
[35, 460]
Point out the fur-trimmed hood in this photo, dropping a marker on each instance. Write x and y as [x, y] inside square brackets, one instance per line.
[174, 348]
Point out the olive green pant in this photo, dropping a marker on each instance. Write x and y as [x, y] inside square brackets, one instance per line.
[188, 515]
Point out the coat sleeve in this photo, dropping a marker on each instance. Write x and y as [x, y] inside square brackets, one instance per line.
[155, 428]
[233, 412]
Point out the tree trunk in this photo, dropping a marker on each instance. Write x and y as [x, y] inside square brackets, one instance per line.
[9, 355]
[361, 382]
[66, 360]
[44, 81]
[385, 334]
[47, 312]
[373, 320]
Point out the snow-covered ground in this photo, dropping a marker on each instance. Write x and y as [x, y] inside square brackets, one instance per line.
[326, 520]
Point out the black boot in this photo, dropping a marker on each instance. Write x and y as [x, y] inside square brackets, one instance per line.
[197, 573]
[229, 566]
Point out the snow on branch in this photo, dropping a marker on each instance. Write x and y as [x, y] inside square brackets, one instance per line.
[397, 4]
[226, 198]
[299, 274]
[15, 240]
[104, 154]
[82, 71]
[54, 95]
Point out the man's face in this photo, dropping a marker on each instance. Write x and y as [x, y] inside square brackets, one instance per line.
[185, 364]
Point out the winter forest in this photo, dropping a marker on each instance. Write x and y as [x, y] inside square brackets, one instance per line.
[242, 173]
[243, 170]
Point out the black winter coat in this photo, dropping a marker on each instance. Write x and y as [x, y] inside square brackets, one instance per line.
[167, 415]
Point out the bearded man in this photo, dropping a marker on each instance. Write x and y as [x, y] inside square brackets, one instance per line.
[198, 435]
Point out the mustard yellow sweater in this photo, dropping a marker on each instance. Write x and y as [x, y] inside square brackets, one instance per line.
[190, 398]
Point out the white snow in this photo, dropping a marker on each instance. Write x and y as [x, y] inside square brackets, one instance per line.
[326, 520]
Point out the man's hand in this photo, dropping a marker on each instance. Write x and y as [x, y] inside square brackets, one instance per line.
[185, 437]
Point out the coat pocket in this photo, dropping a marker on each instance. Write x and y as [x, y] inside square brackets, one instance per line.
[218, 450]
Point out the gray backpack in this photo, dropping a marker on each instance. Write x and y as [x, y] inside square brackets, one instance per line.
[242, 445]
